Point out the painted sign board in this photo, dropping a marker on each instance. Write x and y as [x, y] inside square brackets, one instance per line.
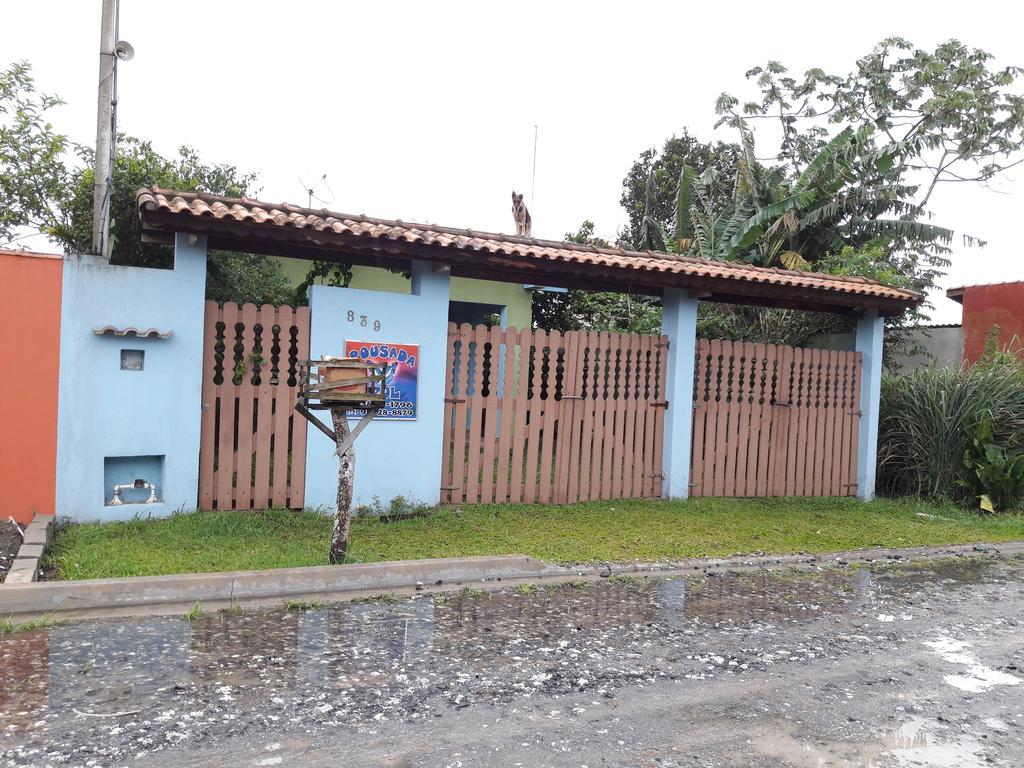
[401, 364]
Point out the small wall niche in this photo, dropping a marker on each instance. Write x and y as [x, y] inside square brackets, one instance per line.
[133, 480]
[133, 359]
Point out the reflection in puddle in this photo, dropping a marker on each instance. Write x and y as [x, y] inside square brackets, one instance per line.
[125, 687]
[920, 742]
[917, 743]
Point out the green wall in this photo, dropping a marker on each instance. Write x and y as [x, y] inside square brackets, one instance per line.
[516, 299]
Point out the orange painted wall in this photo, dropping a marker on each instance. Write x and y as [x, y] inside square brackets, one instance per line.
[29, 359]
[999, 304]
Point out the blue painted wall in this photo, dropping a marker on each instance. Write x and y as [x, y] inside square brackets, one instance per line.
[679, 323]
[104, 411]
[393, 458]
[868, 341]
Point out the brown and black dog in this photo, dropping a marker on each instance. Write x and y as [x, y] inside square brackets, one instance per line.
[524, 224]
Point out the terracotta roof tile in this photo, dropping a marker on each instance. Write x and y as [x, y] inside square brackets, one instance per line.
[254, 213]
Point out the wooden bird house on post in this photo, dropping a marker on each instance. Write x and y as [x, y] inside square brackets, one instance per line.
[341, 385]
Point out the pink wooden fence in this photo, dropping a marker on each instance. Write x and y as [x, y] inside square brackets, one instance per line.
[252, 450]
[774, 421]
[537, 416]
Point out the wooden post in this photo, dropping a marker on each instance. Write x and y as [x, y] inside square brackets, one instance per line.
[346, 473]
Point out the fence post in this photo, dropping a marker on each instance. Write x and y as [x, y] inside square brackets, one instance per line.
[679, 323]
[869, 335]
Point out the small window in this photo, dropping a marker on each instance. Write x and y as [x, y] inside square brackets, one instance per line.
[132, 359]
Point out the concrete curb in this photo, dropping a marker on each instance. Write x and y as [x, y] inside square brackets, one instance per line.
[758, 562]
[170, 594]
[25, 568]
[281, 583]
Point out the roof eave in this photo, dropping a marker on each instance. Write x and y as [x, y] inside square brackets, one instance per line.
[309, 243]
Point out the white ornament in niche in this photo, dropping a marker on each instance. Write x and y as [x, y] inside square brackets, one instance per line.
[132, 359]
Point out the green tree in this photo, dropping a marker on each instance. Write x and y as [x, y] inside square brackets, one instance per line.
[927, 117]
[41, 190]
[955, 117]
[772, 218]
[649, 188]
[138, 165]
[33, 176]
[860, 158]
[231, 276]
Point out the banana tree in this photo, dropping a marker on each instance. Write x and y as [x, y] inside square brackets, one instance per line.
[773, 220]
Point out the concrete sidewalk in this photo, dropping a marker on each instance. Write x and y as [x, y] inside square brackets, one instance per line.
[177, 593]
[168, 594]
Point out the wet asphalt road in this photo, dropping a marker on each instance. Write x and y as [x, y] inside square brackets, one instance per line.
[910, 666]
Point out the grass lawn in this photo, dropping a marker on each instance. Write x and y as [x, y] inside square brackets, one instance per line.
[617, 531]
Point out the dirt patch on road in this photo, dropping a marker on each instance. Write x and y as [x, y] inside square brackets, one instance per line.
[10, 542]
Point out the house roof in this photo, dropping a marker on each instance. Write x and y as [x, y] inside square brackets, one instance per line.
[30, 254]
[289, 230]
[957, 294]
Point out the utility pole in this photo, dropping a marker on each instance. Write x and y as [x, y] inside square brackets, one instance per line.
[105, 117]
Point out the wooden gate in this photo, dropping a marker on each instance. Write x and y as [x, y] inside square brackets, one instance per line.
[774, 421]
[537, 416]
[252, 450]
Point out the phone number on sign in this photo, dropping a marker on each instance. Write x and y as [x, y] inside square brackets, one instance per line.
[396, 410]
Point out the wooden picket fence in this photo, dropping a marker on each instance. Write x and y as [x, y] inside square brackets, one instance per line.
[537, 416]
[252, 451]
[774, 421]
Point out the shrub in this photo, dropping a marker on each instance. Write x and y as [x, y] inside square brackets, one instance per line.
[929, 419]
[399, 508]
[999, 470]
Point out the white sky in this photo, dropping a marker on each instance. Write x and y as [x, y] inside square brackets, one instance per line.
[425, 110]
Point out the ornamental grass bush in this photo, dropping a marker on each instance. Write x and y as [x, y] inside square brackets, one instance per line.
[929, 427]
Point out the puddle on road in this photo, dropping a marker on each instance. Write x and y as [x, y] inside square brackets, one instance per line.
[122, 687]
[946, 571]
[917, 743]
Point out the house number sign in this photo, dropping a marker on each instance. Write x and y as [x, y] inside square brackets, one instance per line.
[364, 321]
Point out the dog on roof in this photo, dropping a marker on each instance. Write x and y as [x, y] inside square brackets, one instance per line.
[524, 224]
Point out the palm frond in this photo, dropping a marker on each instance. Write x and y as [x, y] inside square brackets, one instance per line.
[684, 200]
[832, 152]
[913, 230]
[652, 238]
[793, 260]
[655, 238]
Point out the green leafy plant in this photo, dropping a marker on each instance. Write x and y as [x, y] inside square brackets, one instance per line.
[33, 177]
[998, 470]
[302, 605]
[929, 421]
[9, 627]
[399, 508]
[234, 609]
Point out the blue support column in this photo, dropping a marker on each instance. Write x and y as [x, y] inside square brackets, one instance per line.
[679, 323]
[870, 328]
